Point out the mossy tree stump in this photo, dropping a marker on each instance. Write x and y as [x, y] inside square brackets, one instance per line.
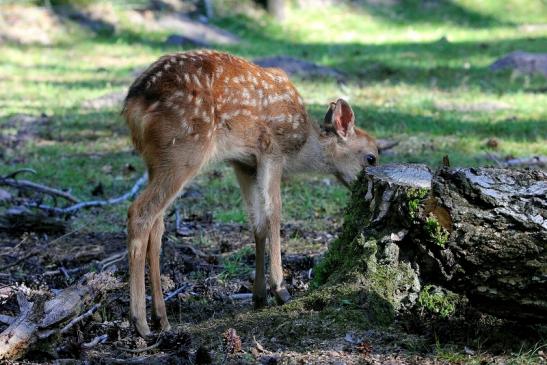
[477, 232]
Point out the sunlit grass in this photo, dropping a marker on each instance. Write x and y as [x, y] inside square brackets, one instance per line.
[413, 74]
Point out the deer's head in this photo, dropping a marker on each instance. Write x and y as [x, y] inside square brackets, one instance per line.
[349, 149]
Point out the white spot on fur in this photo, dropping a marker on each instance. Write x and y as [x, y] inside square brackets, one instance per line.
[277, 118]
[219, 71]
[206, 118]
[196, 81]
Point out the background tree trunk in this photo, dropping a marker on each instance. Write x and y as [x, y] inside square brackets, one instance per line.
[277, 9]
[478, 232]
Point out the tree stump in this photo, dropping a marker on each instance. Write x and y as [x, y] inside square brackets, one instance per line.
[480, 232]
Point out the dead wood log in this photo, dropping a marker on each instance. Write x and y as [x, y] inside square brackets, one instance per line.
[40, 320]
[481, 233]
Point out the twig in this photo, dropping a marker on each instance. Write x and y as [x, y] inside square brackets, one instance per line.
[65, 272]
[97, 340]
[58, 271]
[29, 185]
[103, 264]
[80, 318]
[241, 296]
[175, 292]
[112, 259]
[94, 203]
[20, 171]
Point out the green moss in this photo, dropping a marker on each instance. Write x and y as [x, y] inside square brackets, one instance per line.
[351, 249]
[439, 302]
[415, 197]
[435, 231]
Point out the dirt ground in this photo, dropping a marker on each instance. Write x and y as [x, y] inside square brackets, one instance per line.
[207, 276]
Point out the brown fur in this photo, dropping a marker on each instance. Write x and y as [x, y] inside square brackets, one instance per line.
[189, 108]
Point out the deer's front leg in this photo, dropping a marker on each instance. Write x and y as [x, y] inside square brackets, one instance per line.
[252, 198]
[270, 182]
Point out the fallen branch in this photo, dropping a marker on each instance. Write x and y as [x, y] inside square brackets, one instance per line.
[94, 203]
[241, 296]
[97, 340]
[539, 161]
[29, 185]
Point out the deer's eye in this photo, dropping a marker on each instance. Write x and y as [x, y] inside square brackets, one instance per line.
[371, 159]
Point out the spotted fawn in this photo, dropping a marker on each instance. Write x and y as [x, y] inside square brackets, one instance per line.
[190, 108]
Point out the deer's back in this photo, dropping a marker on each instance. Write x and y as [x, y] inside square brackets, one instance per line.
[217, 97]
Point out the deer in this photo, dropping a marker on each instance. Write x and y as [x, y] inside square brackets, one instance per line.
[190, 108]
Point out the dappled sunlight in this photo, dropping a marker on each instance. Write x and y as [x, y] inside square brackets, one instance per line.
[416, 74]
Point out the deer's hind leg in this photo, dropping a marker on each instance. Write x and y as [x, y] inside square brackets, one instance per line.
[159, 314]
[171, 165]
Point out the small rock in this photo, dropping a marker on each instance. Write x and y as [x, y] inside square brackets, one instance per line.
[4, 195]
[195, 30]
[182, 41]
[302, 68]
[523, 62]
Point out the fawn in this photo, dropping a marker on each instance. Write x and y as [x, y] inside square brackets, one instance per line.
[190, 108]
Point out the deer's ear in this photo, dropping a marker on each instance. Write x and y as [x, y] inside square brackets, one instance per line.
[340, 119]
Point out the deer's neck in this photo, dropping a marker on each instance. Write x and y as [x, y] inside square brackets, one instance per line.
[314, 154]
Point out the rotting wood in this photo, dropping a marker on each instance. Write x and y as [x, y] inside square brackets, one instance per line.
[477, 232]
[40, 320]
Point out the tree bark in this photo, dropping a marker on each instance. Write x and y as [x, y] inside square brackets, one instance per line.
[277, 9]
[481, 233]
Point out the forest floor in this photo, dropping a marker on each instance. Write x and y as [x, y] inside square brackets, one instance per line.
[417, 74]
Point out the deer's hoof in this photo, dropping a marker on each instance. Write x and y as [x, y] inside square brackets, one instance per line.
[142, 328]
[282, 296]
[161, 323]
